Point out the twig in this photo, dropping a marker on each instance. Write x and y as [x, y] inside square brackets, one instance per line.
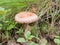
[43, 12]
[53, 3]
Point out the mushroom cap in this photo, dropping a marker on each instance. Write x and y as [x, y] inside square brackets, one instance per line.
[26, 17]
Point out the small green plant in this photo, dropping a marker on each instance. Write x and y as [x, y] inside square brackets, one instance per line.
[19, 31]
[21, 40]
[57, 40]
[27, 38]
[6, 24]
[28, 35]
[32, 43]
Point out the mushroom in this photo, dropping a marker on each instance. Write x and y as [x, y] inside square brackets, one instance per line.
[26, 18]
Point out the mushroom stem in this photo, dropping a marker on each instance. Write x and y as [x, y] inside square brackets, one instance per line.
[26, 27]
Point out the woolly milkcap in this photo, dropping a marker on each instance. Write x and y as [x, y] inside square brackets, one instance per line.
[26, 17]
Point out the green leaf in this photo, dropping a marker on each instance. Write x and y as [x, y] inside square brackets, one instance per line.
[21, 40]
[57, 41]
[43, 44]
[15, 3]
[2, 9]
[57, 36]
[32, 43]
[1, 26]
[27, 34]
[30, 37]
[10, 26]
[20, 31]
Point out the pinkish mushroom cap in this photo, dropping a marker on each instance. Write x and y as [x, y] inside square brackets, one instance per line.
[26, 17]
